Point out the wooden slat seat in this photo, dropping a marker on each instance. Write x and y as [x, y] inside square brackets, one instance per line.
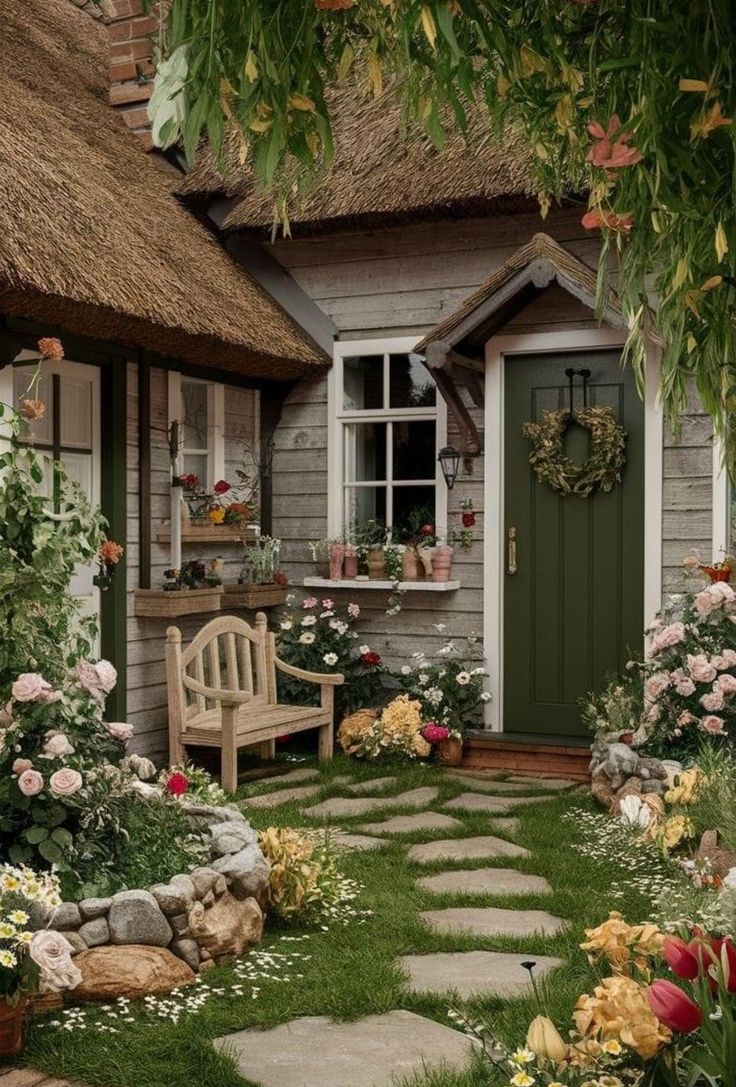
[222, 693]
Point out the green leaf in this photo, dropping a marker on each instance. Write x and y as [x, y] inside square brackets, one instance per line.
[63, 838]
[50, 852]
[36, 835]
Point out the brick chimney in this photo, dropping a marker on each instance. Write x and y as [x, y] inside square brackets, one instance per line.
[131, 63]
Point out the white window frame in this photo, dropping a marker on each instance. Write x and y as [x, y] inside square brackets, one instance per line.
[215, 450]
[722, 542]
[339, 418]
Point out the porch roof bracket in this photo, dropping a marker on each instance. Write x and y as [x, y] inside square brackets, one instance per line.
[439, 360]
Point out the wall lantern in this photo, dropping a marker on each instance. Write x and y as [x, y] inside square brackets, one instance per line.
[449, 459]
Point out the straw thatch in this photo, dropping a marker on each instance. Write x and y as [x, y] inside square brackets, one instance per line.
[382, 175]
[92, 237]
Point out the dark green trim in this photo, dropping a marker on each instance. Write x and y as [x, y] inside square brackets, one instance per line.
[113, 610]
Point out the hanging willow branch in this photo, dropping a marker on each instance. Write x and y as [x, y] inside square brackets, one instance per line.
[631, 101]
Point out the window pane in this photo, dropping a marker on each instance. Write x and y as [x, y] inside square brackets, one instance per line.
[363, 504]
[75, 412]
[413, 506]
[362, 383]
[195, 464]
[365, 452]
[40, 429]
[194, 414]
[410, 384]
[415, 453]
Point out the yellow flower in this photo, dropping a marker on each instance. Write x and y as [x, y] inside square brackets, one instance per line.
[18, 917]
[618, 1009]
[522, 1056]
[686, 787]
[544, 1039]
[622, 943]
[523, 1079]
[7, 959]
[612, 1047]
[675, 830]
[7, 931]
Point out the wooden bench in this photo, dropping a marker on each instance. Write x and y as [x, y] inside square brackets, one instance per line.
[222, 693]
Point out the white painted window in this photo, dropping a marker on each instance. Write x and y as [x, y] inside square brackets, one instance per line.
[199, 408]
[387, 425]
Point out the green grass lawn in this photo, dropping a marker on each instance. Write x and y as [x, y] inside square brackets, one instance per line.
[349, 970]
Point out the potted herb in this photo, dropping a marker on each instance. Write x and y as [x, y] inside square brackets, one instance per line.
[260, 582]
[372, 536]
[320, 552]
[719, 571]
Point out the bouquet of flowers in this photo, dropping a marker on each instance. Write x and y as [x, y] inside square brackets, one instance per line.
[451, 689]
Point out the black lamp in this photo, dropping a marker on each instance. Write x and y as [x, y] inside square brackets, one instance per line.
[449, 459]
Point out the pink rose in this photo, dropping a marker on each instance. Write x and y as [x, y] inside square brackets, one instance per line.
[712, 724]
[65, 782]
[686, 718]
[30, 687]
[21, 765]
[667, 637]
[726, 683]
[700, 668]
[654, 712]
[656, 685]
[30, 783]
[57, 745]
[712, 701]
[682, 683]
[119, 730]
[724, 660]
[107, 675]
[88, 678]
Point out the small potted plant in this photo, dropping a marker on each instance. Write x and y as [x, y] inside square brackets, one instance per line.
[447, 743]
[260, 583]
[719, 571]
[320, 552]
[372, 541]
[416, 533]
[442, 562]
[350, 561]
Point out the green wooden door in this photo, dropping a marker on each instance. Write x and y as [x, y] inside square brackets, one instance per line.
[574, 608]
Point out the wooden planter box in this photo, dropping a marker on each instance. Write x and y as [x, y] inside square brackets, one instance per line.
[253, 596]
[162, 604]
[206, 533]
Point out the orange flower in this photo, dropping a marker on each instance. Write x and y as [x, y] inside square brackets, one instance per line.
[32, 409]
[110, 552]
[51, 348]
[709, 121]
[622, 943]
[216, 515]
[596, 218]
[618, 1009]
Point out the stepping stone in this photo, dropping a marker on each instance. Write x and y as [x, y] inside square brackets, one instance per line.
[492, 786]
[373, 786]
[341, 806]
[376, 1051]
[492, 921]
[465, 849]
[408, 824]
[474, 973]
[555, 784]
[306, 773]
[481, 802]
[360, 842]
[485, 881]
[281, 796]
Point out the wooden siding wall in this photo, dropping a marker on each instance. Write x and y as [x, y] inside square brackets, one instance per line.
[146, 675]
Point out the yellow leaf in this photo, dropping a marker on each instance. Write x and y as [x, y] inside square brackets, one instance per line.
[721, 242]
[428, 26]
[226, 89]
[300, 101]
[692, 343]
[564, 113]
[531, 62]
[714, 281]
[424, 108]
[682, 273]
[251, 68]
[541, 152]
[697, 85]
[502, 86]
[375, 76]
[692, 299]
[346, 61]
[656, 225]
[257, 125]
[544, 203]
[313, 143]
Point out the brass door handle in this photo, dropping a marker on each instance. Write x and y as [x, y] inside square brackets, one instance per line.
[511, 564]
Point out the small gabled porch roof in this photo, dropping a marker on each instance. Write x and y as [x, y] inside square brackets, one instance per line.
[457, 344]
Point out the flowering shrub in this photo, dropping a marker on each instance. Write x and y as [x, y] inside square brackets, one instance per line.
[186, 779]
[685, 690]
[304, 877]
[319, 636]
[450, 690]
[397, 730]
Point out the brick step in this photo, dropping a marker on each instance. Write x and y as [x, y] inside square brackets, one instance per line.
[536, 759]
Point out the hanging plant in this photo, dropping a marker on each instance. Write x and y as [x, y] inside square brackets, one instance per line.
[602, 468]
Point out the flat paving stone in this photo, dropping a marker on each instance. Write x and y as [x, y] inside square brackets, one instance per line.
[465, 849]
[361, 842]
[493, 921]
[554, 784]
[342, 806]
[409, 824]
[377, 1051]
[485, 881]
[281, 796]
[305, 773]
[481, 802]
[471, 973]
[373, 786]
[491, 786]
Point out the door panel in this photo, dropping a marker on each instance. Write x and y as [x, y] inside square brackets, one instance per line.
[574, 608]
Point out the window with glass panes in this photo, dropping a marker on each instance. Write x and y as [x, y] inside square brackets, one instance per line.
[387, 421]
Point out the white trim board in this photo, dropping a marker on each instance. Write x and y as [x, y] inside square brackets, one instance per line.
[721, 489]
[497, 348]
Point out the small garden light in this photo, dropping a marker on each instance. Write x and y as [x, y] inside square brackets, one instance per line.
[449, 459]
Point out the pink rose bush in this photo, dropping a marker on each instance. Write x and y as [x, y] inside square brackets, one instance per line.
[685, 690]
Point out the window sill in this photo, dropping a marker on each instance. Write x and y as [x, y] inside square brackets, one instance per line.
[402, 586]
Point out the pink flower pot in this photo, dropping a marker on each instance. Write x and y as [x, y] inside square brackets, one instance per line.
[442, 563]
[337, 557]
[350, 565]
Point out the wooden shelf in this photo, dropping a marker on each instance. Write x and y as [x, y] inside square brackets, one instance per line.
[402, 586]
[211, 534]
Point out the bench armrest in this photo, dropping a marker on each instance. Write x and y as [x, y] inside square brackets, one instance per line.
[331, 679]
[232, 698]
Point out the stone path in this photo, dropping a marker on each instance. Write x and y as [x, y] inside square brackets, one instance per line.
[29, 1077]
[378, 1050]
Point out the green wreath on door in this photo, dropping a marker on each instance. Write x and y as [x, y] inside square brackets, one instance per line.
[601, 470]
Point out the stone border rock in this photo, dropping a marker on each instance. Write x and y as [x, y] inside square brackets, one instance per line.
[195, 913]
[617, 770]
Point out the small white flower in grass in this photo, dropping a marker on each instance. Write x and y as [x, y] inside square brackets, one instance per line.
[463, 678]
[330, 658]
[306, 638]
[522, 1056]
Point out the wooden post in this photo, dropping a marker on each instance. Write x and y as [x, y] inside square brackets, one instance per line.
[326, 732]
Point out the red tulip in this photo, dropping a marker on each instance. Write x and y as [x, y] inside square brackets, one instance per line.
[725, 953]
[681, 958]
[673, 1007]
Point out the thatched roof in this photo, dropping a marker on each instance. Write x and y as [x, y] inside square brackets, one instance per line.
[528, 271]
[380, 176]
[91, 236]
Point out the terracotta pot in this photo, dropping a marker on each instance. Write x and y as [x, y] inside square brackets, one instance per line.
[450, 752]
[411, 567]
[723, 574]
[12, 1019]
[425, 557]
[442, 563]
[337, 557]
[376, 564]
[350, 565]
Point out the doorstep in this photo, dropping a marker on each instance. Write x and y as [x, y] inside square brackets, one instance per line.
[565, 756]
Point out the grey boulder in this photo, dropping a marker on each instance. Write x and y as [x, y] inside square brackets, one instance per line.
[135, 918]
[247, 872]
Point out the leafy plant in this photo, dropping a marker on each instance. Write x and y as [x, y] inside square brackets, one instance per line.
[449, 689]
[304, 876]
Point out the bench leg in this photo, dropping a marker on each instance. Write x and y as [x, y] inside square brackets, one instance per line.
[229, 751]
[326, 738]
[267, 750]
[326, 732]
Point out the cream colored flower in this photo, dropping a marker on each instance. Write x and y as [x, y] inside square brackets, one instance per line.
[618, 1009]
[686, 787]
[622, 943]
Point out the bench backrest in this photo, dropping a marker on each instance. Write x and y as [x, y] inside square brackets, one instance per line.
[227, 654]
